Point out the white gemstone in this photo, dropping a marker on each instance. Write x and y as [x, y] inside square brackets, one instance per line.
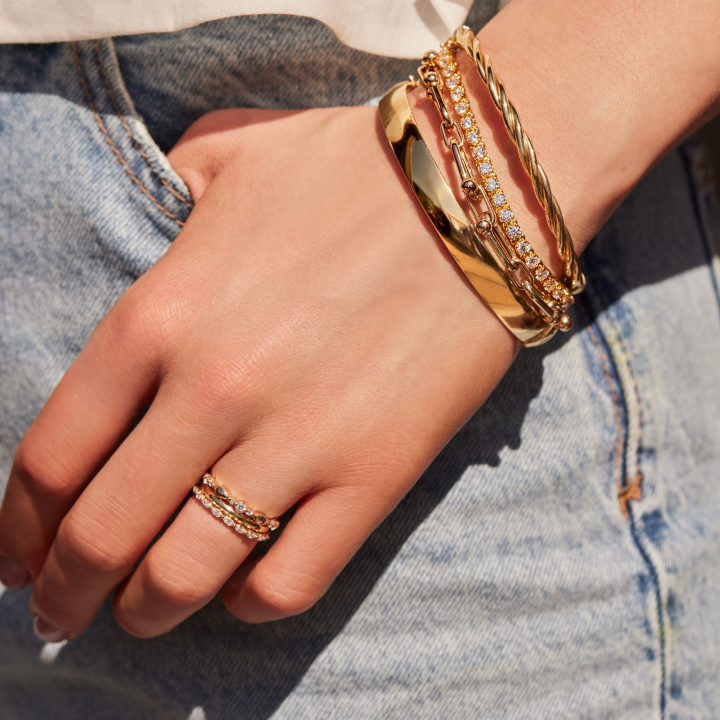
[249, 513]
[447, 72]
[456, 94]
[462, 108]
[523, 248]
[492, 184]
[533, 261]
[473, 137]
[228, 521]
[478, 152]
[499, 199]
[216, 512]
[486, 169]
[442, 62]
[549, 284]
[452, 82]
[542, 274]
[232, 501]
[467, 122]
[240, 506]
[506, 215]
[206, 503]
[514, 231]
[239, 529]
[557, 293]
[273, 524]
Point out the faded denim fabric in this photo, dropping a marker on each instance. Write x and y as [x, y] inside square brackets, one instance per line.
[507, 584]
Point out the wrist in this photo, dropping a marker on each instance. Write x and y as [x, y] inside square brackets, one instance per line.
[605, 90]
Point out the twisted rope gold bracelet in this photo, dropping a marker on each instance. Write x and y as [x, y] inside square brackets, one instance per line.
[465, 38]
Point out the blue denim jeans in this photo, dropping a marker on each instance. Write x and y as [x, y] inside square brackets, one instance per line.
[508, 583]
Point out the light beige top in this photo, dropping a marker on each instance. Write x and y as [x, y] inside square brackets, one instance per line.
[398, 28]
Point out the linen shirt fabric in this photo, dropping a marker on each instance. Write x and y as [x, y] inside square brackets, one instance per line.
[507, 584]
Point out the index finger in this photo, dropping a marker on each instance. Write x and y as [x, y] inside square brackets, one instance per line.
[85, 419]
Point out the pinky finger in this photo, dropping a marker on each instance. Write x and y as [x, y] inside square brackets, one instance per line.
[300, 567]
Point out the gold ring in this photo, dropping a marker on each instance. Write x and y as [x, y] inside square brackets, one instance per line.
[234, 513]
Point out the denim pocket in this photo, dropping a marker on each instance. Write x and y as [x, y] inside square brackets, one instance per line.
[89, 204]
[125, 133]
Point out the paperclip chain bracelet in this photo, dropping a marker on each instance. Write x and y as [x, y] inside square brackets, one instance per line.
[517, 253]
[549, 310]
[464, 38]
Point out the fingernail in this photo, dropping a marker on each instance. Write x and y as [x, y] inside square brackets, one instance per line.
[13, 575]
[47, 632]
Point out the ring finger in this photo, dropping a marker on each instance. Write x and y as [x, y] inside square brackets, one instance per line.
[198, 553]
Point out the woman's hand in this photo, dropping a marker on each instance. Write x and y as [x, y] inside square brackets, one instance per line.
[306, 335]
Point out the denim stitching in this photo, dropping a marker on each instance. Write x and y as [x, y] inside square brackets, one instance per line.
[136, 144]
[112, 145]
[659, 606]
[632, 491]
[613, 395]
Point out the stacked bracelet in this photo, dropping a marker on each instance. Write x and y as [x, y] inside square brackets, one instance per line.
[489, 278]
[516, 250]
[465, 39]
[492, 250]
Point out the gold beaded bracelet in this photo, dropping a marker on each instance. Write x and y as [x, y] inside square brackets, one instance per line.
[464, 38]
[438, 72]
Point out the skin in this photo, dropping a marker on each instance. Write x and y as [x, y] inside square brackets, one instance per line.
[308, 336]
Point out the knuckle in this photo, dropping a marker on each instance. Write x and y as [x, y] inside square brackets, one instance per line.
[40, 469]
[175, 589]
[273, 601]
[86, 546]
[143, 319]
[228, 383]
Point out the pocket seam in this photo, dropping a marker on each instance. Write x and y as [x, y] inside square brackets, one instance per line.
[133, 140]
[112, 145]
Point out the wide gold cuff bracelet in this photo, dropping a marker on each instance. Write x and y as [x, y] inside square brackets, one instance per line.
[483, 271]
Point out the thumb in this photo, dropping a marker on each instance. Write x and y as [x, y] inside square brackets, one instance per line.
[212, 141]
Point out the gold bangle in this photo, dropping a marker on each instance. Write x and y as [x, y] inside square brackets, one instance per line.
[515, 251]
[457, 233]
[464, 38]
